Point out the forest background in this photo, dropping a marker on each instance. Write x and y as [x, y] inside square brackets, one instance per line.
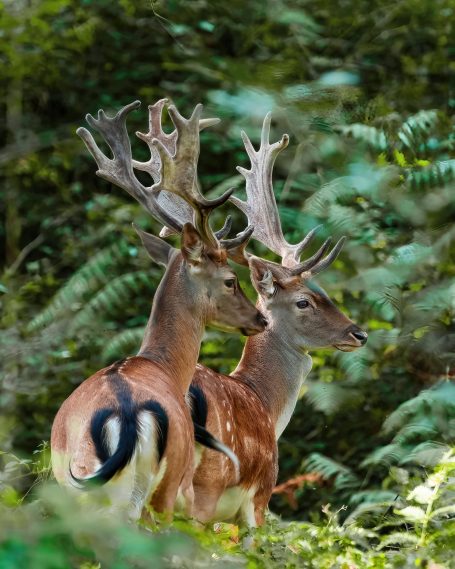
[365, 88]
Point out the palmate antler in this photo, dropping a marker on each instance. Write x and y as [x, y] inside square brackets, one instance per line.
[172, 165]
[178, 208]
[261, 209]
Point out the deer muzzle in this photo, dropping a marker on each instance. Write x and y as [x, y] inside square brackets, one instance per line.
[256, 329]
[355, 338]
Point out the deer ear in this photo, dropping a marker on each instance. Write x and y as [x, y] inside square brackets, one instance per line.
[159, 250]
[262, 277]
[192, 244]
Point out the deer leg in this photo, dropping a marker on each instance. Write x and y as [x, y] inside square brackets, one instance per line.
[163, 499]
[261, 502]
[187, 490]
[260, 506]
[205, 503]
[253, 515]
[247, 517]
[247, 513]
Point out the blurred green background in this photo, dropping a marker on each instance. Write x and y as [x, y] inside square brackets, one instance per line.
[365, 90]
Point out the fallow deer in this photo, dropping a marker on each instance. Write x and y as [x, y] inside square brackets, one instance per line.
[250, 409]
[128, 425]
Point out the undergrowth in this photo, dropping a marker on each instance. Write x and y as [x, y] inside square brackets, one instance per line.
[49, 529]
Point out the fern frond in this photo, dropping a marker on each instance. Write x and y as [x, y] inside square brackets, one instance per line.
[317, 203]
[372, 512]
[88, 279]
[123, 344]
[422, 427]
[399, 539]
[436, 175]
[428, 453]
[329, 397]
[292, 219]
[343, 219]
[386, 455]
[417, 128]
[410, 254]
[443, 392]
[112, 298]
[378, 279]
[371, 135]
[372, 497]
[354, 365]
[435, 299]
[344, 477]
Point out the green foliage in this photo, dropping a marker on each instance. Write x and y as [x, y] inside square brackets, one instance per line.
[329, 469]
[419, 427]
[87, 280]
[126, 342]
[418, 532]
[54, 532]
[364, 93]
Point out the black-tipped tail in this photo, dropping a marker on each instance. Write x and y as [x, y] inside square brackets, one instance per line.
[199, 412]
[206, 439]
[128, 439]
[127, 414]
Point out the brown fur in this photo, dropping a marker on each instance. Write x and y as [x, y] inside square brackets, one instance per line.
[147, 381]
[192, 294]
[259, 397]
[251, 437]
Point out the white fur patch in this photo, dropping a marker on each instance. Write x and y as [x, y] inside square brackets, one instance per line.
[131, 490]
[232, 500]
[198, 452]
[292, 398]
[112, 433]
[195, 252]
[266, 284]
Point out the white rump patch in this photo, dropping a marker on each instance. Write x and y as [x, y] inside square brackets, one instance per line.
[131, 490]
[112, 433]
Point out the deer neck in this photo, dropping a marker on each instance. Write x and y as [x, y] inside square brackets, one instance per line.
[175, 328]
[275, 368]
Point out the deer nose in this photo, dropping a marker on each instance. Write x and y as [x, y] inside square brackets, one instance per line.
[262, 320]
[358, 334]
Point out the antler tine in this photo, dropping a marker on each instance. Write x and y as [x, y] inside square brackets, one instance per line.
[176, 207]
[260, 206]
[308, 263]
[179, 171]
[236, 247]
[119, 169]
[298, 249]
[326, 261]
[225, 230]
[153, 165]
[240, 239]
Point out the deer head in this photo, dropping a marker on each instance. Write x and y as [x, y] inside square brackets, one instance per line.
[208, 281]
[295, 306]
[204, 279]
[301, 311]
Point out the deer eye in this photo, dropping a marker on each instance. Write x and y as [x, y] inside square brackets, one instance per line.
[303, 304]
[230, 283]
